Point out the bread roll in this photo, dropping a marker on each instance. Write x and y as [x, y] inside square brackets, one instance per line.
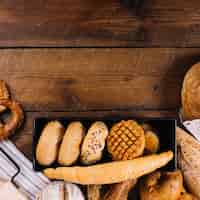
[94, 143]
[70, 146]
[162, 186]
[113, 172]
[47, 148]
[152, 142]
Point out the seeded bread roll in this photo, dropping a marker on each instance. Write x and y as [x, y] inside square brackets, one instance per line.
[47, 148]
[94, 143]
[70, 146]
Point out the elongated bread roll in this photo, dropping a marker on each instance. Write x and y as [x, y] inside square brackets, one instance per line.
[70, 146]
[113, 172]
[94, 143]
[47, 148]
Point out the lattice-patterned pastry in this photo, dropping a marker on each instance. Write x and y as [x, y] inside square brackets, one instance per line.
[126, 140]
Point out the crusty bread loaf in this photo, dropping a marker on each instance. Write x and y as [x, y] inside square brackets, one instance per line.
[48, 145]
[94, 143]
[162, 186]
[120, 191]
[70, 146]
[189, 160]
[191, 93]
[113, 172]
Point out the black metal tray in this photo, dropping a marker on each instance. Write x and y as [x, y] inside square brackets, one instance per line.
[166, 131]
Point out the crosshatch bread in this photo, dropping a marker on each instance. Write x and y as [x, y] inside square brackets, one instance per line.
[71, 143]
[191, 93]
[48, 145]
[126, 140]
[112, 172]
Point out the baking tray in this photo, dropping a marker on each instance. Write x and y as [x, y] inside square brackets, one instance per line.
[166, 131]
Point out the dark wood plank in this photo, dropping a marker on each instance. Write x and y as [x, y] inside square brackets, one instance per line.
[96, 79]
[23, 137]
[159, 23]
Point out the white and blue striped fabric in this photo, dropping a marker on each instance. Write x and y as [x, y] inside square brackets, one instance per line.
[28, 181]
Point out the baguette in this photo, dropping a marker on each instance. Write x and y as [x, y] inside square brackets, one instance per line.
[113, 172]
[70, 146]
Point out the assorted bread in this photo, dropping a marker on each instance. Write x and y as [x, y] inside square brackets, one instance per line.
[126, 142]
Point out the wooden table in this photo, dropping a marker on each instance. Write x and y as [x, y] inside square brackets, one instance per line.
[139, 71]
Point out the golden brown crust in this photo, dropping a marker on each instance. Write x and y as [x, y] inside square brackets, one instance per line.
[152, 142]
[94, 143]
[16, 120]
[162, 186]
[188, 160]
[4, 94]
[94, 192]
[126, 140]
[112, 172]
[186, 196]
[119, 191]
[191, 93]
[71, 143]
[49, 142]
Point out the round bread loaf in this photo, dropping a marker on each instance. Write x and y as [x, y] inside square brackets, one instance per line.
[191, 93]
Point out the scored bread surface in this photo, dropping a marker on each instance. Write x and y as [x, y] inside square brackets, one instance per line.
[126, 140]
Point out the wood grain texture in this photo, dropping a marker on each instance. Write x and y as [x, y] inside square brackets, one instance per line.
[169, 23]
[23, 137]
[96, 79]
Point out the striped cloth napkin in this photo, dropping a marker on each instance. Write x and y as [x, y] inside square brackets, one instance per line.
[28, 181]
